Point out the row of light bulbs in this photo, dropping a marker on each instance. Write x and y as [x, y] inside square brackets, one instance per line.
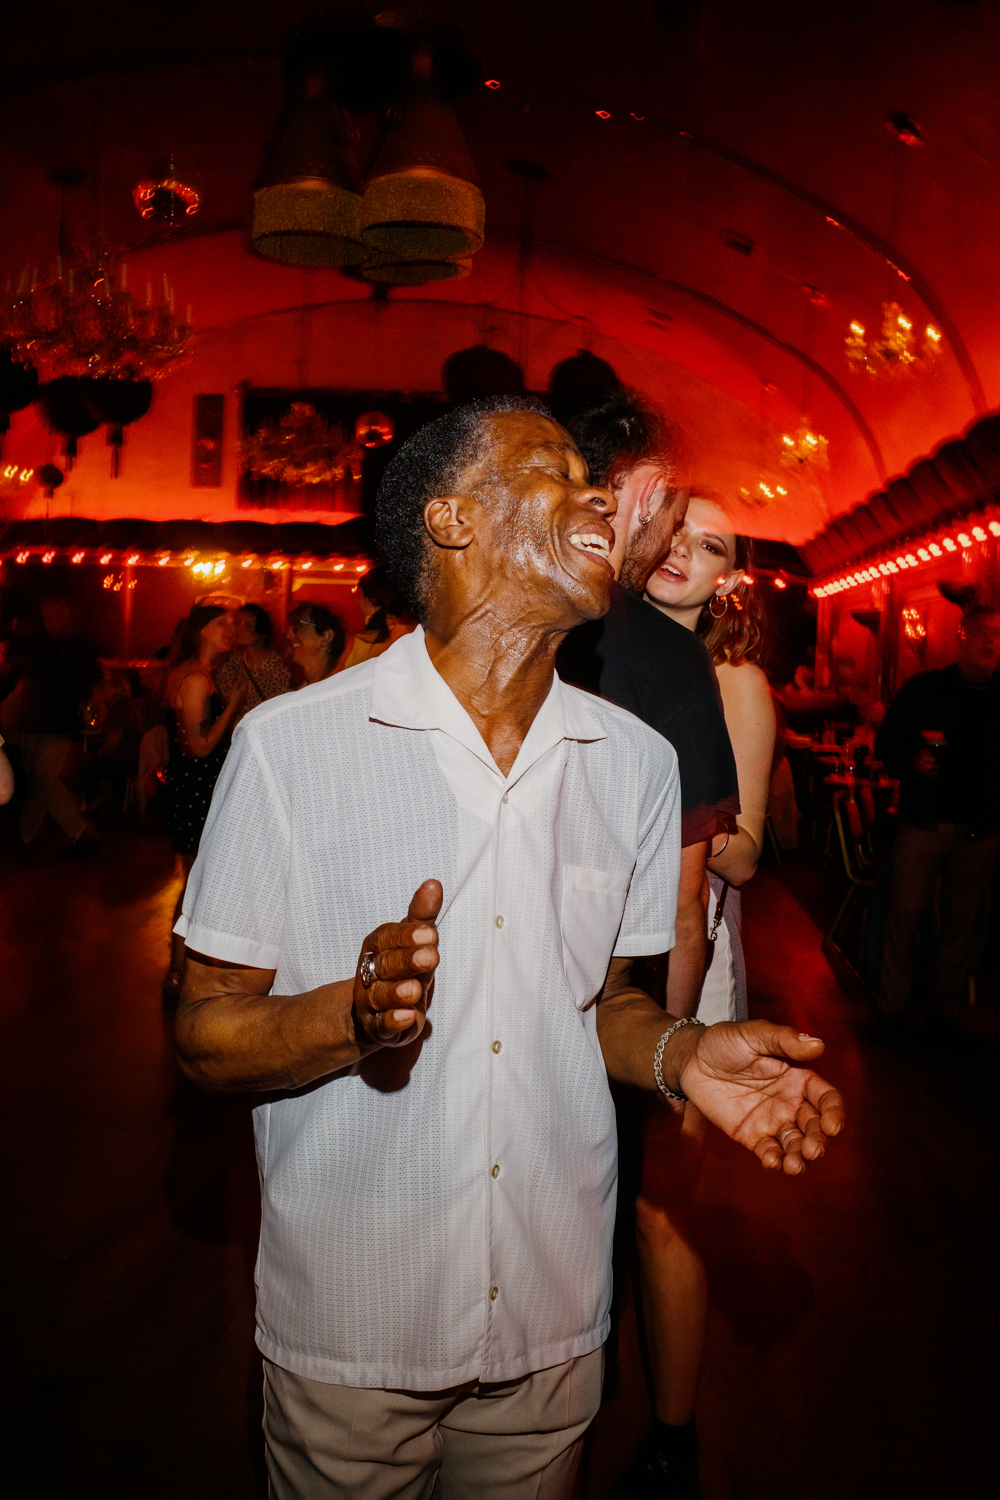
[904, 560]
[199, 568]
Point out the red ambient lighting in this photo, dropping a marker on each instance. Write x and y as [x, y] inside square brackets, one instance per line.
[603, 114]
[47, 557]
[747, 578]
[77, 557]
[105, 558]
[131, 560]
[22, 557]
[492, 83]
[780, 583]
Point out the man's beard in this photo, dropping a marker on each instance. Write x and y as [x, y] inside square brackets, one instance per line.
[646, 549]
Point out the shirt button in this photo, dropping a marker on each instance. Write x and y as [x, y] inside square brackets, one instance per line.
[497, 1046]
[495, 1169]
[499, 921]
[494, 1293]
[505, 796]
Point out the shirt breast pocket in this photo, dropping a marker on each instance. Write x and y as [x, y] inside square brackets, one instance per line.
[593, 902]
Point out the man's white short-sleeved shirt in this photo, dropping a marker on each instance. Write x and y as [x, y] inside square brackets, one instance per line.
[444, 1212]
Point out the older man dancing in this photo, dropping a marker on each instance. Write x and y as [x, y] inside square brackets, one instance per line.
[438, 1155]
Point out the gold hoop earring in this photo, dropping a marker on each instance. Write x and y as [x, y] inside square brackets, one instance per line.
[717, 614]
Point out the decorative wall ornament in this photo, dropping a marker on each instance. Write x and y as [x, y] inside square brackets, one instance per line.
[895, 352]
[301, 448]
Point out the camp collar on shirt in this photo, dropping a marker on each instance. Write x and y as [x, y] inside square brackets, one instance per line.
[408, 691]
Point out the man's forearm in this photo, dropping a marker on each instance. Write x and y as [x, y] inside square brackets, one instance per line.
[629, 1026]
[247, 1043]
[687, 957]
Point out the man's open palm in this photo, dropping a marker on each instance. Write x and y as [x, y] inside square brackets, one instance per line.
[742, 1076]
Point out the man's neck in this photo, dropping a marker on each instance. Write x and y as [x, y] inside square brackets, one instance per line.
[501, 677]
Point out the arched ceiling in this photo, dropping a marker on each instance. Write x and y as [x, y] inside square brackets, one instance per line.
[713, 237]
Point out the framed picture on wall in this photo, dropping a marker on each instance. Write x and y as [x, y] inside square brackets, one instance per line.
[322, 450]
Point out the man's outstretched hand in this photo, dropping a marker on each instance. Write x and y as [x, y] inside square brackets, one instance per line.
[391, 1010]
[741, 1076]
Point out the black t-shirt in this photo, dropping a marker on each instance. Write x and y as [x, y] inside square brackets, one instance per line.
[967, 715]
[647, 663]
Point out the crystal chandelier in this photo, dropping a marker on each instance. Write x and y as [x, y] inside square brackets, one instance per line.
[83, 321]
[895, 351]
[807, 449]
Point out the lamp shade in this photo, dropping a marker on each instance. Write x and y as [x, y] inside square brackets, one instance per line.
[308, 211]
[422, 203]
[393, 270]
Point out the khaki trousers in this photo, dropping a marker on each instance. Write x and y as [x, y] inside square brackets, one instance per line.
[516, 1441]
[44, 757]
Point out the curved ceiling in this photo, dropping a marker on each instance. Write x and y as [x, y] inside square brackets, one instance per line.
[713, 231]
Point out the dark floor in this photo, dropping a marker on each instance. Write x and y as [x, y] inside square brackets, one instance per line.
[853, 1316]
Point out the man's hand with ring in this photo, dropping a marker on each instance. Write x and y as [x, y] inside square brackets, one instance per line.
[395, 973]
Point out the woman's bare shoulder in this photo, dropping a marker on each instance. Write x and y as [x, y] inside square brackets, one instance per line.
[745, 681]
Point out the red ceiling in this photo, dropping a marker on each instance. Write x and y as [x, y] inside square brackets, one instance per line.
[760, 121]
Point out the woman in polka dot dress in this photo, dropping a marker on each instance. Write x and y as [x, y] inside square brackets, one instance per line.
[199, 728]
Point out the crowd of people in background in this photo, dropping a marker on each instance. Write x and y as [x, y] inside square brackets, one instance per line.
[161, 731]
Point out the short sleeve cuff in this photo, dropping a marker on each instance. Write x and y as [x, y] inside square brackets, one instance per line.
[645, 944]
[232, 950]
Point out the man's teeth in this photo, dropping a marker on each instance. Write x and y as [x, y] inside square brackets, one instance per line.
[589, 541]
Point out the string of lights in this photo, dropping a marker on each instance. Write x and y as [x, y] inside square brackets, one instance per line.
[929, 549]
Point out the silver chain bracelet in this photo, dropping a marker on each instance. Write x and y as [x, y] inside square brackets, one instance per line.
[658, 1058]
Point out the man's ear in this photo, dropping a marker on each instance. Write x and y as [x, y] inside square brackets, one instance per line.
[449, 520]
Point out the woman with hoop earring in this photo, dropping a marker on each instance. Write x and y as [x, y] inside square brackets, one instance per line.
[702, 584]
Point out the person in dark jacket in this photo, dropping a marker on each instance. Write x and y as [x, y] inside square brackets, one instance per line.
[59, 672]
[941, 738]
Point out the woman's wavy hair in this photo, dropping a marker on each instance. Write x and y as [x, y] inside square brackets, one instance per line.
[187, 645]
[738, 635]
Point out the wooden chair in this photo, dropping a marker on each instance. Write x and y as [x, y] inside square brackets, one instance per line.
[859, 868]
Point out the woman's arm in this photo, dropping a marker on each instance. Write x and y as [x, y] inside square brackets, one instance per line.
[750, 719]
[191, 708]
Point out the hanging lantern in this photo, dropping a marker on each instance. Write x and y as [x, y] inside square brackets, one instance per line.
[65, 411]
[50, 478]
[167, 193]
[18, 387]
[308, 211]
[373, 429]
[118, 403]
[470, 374]
[422, 203]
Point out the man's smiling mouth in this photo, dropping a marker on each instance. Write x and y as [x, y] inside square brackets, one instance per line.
[591, 541]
